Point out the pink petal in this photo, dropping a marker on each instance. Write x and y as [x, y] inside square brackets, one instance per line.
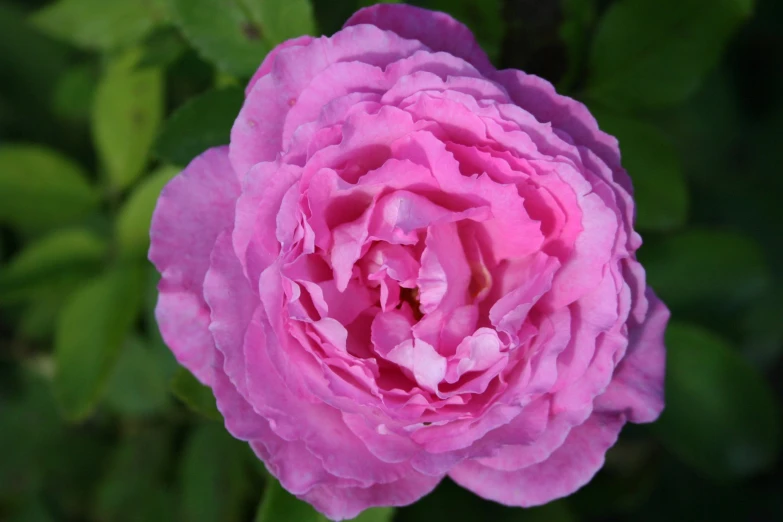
[567, 469]
[637, 387]
[193, 209]
[341, 503]
[231, 300]
[269, 60]
[439, 31]
[256, 135]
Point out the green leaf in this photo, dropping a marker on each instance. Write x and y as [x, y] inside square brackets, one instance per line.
[705, 268]
[201, 123]
[29, 427]
[162, 48]
[138, 385]
[223, 32]
[40, 188]
[133, 489]
[278, 504]
[64, 255]
[281, 21]
[368, 3]
[31, 510]
[133, 219]
[213, 476]
[195, 395]
[127, 112]
[721, 416]
[656, 52]
[74, 93]
[578, 19]
[484, 17]
[90, 331]
[654, 165]
[384, 514]
[98, 24]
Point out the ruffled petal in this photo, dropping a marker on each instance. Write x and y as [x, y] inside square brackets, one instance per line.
[193, 209]
[438, 31]
[569, 468]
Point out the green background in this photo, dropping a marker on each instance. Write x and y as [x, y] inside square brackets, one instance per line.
[102, 102]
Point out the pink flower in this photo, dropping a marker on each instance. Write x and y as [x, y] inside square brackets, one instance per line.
[408, 265]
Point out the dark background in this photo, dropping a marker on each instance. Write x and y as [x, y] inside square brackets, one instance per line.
[99, 106]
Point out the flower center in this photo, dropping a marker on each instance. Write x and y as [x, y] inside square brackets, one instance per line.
[411, 296]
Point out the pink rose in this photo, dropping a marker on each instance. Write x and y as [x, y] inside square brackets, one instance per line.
[408, 265]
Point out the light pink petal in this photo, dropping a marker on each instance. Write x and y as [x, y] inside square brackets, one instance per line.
[445, 275]
[567, 469]
[637, 387]
[439, 31]
[193, 209]
[425, 364]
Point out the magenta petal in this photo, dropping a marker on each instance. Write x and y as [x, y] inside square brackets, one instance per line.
[269, 60]
[438, 31]
[637, 387]
[567, 469]
[193, 209]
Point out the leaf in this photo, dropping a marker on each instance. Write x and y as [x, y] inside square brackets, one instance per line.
[195, 395]
[98, 24]
[90, 331]
[40, 188]
[383, 514]
[721, 416]
[278, 504]
[74, 93]
[127, 112]
[654, 165]
[162, 48]
[484, 17]
[212, 475]
[201, 123]
[578, 19]
[656, 52]
[281, 21]
[29, 427]
[223, 32]
[132, 227]
[133, 489]
[64, 255]
[138, 385]
[705, 269]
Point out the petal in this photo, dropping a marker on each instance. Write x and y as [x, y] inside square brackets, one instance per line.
[269, 60]
[193, 209]
[341, 503]
[257, 132]
[569, 468]
[438, 31]
[231, 300]
[637, 387]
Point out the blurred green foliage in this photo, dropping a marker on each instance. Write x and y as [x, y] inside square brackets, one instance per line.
[102, 102]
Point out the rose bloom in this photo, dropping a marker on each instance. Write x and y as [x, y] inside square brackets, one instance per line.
[409, 265]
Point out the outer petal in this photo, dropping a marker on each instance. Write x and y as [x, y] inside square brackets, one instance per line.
[193, 209]
[269, 61]
[566, 470]
[637, 387]
[436, 30]
[339, 503]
